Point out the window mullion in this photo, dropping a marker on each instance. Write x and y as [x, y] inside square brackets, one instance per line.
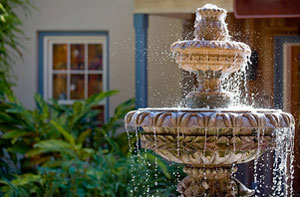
[86, 70]
[68, 71]
[50, 67]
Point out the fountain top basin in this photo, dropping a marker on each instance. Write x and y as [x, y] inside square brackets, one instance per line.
[190, 46]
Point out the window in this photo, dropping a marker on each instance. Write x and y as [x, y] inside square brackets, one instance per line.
[74, 68]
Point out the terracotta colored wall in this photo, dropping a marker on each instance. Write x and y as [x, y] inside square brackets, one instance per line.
[259, 35]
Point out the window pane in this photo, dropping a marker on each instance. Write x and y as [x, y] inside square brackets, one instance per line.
[95, 84]
[59, 56]
[77, 86]
[77, 56]
[60, 86]
[95, 56]
[101, 114]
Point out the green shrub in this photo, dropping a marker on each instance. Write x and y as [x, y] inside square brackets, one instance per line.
[55, 150]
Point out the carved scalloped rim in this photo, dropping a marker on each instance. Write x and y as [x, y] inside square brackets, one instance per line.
[264, 119]
[188, 45]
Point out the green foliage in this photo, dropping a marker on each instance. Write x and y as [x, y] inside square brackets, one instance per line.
[10, 31]
[57, 150]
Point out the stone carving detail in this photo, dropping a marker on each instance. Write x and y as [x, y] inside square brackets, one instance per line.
[198, 45]
[191, 119]
[192, 186]
[216, 62]
[210, 23]
[210, 143]
[212, 150]
[217, 181]
[209, 158]
[209, 173]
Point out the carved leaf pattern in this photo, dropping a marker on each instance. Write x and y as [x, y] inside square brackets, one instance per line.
[209, 119]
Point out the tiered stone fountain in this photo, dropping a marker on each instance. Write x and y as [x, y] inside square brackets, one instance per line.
[204, 136]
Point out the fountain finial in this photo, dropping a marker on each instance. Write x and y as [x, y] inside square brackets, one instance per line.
[210, 23]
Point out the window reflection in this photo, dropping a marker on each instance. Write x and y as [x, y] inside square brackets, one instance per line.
[95, 57]
[59, 56]
[95, 84]
[60, 86]
[77, 86]
[77, 56]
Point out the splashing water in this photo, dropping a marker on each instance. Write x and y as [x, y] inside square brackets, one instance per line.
[236, 83]
[283, 169]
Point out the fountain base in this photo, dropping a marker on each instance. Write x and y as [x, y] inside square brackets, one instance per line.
[217, 181]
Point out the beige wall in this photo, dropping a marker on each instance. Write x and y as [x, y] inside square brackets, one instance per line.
[177, 6]
[116, 17]
[163, 73]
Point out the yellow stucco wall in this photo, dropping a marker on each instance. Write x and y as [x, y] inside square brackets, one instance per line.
[176, 6]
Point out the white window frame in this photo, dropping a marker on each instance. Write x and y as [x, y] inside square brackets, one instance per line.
[48, 65]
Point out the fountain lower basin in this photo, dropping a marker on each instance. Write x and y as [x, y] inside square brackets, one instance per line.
[209, 142]
[202, 137]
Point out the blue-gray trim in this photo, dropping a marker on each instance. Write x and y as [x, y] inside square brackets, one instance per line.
[278, 69]
[141, 89]
[43, 34]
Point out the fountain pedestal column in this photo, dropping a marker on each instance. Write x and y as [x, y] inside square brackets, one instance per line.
[217, 181]
[209, 93]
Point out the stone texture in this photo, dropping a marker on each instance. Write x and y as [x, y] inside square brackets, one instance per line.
[195, 121]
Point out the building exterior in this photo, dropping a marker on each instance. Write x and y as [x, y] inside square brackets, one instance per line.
[68, 30]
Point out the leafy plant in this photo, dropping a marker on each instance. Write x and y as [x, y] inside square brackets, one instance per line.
[59, 150]
[10, 31]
